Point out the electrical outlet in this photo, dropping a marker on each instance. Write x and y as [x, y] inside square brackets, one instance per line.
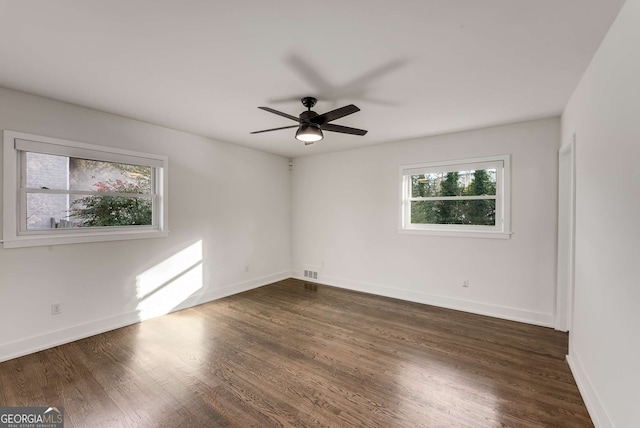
[56, 308]
[465, 283]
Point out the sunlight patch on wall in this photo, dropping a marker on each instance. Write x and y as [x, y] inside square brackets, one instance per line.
[169, 283]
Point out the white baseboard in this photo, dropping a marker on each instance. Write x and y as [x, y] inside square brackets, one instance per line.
[33, 344]
[232, 289]
[598, 413]
[512, 314]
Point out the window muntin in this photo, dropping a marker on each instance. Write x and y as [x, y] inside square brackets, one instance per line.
[68, 192]
[457, 197]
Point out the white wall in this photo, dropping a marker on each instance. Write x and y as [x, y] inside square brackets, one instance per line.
[346, 218]
[604, 112]
[233, 199]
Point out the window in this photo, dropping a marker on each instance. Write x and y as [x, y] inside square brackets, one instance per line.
[461, 198]
[61, 192]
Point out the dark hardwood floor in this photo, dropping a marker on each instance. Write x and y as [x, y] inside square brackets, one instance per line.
[306, 356]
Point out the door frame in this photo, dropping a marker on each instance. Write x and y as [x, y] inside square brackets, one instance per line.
[566, 235]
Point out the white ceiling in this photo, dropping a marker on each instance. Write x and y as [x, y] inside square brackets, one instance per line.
[415, 68]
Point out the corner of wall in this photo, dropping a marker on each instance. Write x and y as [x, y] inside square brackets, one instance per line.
[598, 413]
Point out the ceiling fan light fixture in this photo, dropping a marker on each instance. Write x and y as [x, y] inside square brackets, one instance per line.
[309, 133]
[311, 124]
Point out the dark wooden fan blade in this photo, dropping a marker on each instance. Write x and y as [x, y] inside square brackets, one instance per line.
[343, 129]
[279, 113]
[335, 114]
[273, 129]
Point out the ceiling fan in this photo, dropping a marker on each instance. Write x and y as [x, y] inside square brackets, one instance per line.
[311, 124]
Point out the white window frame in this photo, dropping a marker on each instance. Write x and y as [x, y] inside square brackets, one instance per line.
[502, 229]
[14, 231]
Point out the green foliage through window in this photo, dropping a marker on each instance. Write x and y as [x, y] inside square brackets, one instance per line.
[466, 190]
[117, 210]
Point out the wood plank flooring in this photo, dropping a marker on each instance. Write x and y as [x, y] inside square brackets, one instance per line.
[290, 355]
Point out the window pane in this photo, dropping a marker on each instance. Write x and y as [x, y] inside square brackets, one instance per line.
[99, 211]
[479, 182]
[45, 210]
[470, 212]
[47, 171]
[64, 173]
[437, 184]
[425, 185]
[49, 211]
[454, 183]
[108, 176]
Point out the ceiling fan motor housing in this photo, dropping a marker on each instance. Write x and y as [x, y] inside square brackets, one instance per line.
[306, 116]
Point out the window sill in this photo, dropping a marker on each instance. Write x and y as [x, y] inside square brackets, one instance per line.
[457, 233]
[79, 238]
